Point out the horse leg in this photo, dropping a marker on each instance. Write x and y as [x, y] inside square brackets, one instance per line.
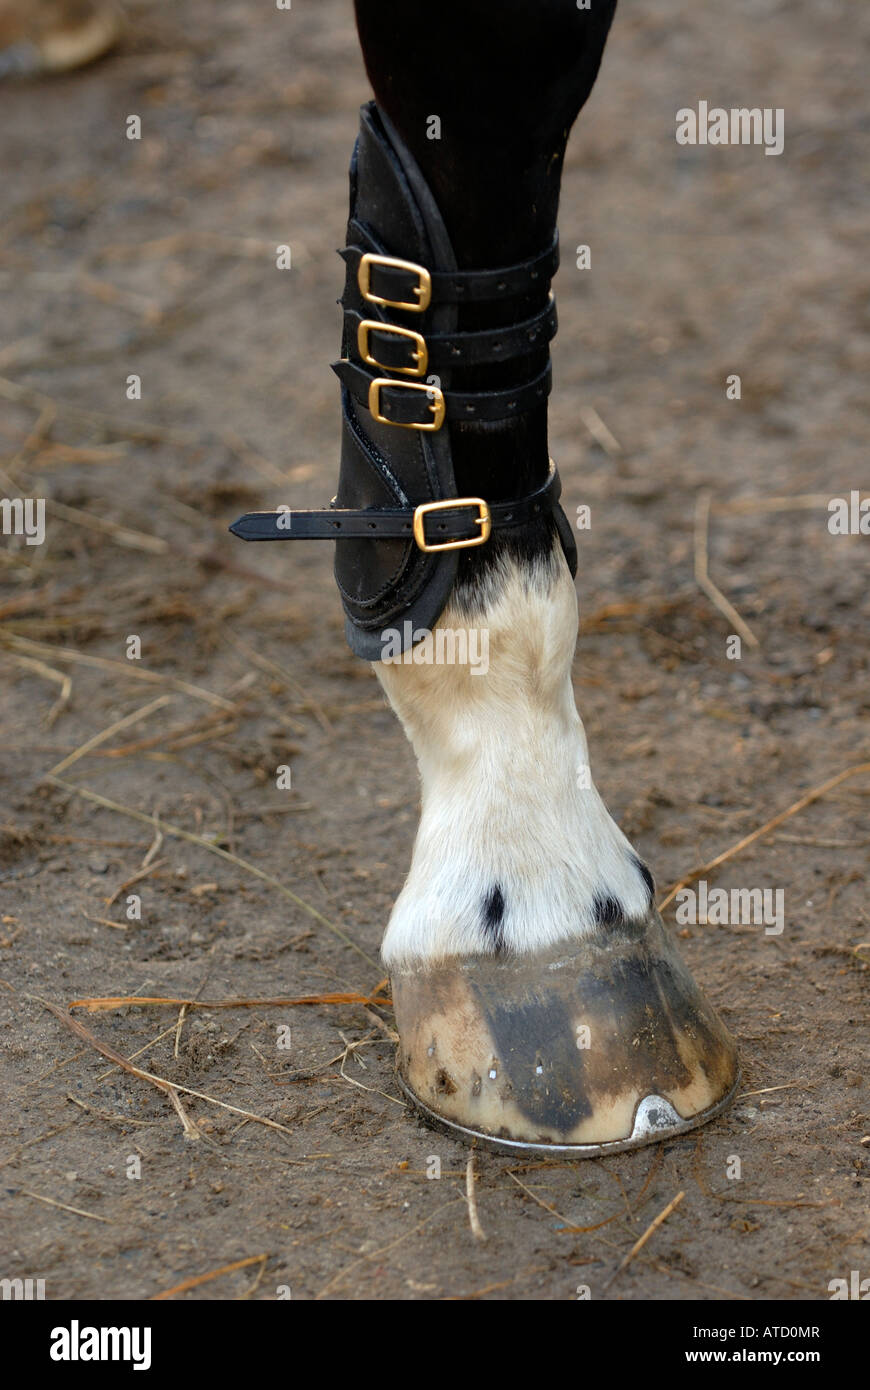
[538, 997]
[515, 850]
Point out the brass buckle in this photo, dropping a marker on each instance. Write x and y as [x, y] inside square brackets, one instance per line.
[437, 405]
[423, 290]
[421, 355]
[484, 521]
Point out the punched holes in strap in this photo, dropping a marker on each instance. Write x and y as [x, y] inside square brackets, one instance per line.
[417, 405]
[476, 286]
[446, 523]
[400, 284]
[390, 282]
[395, 349]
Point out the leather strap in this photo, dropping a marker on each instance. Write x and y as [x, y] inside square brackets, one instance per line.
[398, 349]
[404, 403]
[442, 526]
[457, 286]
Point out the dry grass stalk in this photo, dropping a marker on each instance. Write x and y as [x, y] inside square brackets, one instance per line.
[120, 668]
[374, 1254]
[702, 531]
[273, 669]
[753, 506]
[104, 734]
[599, 431]
[50, 674]
[169, 1088]
[177, 832]
[122, 1001]
[50, 407]
[122, 535]
[473, 1218]
[104, 921]
[569, 1227]
[651, 1228]
[50, 1201]
[747, 840]
[197, 1279]
[135, 878]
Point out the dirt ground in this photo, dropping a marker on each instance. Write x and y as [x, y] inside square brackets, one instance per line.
[156, 257]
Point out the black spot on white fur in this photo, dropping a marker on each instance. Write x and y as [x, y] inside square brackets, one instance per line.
[647, 878]
[493, 917]
[608, 912]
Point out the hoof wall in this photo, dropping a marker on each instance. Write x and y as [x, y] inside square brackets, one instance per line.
[598, 1046]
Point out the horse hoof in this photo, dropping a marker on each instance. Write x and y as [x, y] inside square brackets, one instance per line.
[596, 1046]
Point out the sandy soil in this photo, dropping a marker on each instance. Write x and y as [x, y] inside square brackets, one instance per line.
[157, 258]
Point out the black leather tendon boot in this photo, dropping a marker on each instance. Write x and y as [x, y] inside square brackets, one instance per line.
[400, 344]
[596, 1038]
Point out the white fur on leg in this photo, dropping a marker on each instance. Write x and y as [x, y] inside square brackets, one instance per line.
[515, 849]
